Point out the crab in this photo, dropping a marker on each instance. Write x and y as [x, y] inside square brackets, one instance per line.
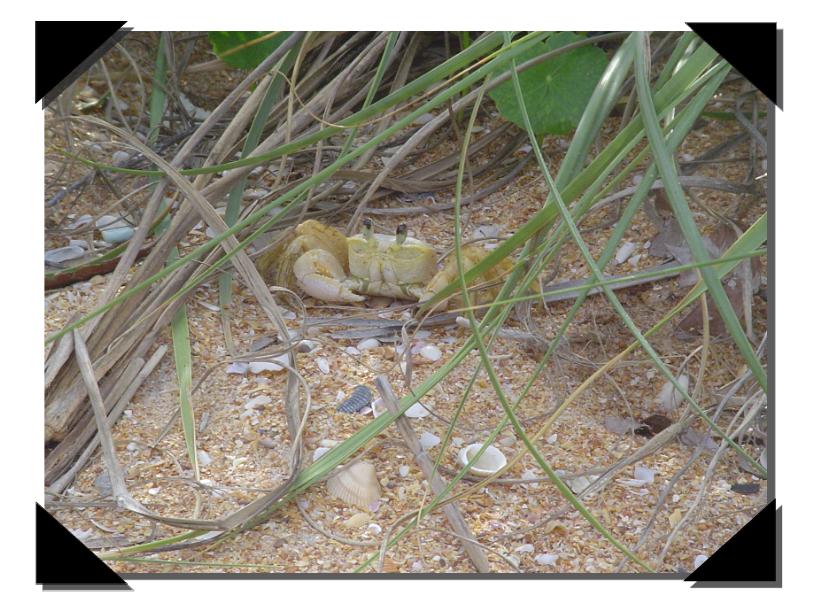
[328, 266]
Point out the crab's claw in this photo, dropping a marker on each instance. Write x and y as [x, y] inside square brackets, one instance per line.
[320, 275]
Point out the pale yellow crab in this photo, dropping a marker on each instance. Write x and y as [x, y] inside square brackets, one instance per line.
[330, 267]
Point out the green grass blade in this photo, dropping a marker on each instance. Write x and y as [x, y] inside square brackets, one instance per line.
[681, 210]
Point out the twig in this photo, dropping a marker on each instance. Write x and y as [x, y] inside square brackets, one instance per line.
[452, 512]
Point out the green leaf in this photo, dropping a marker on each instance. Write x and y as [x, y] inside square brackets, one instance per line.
[245, 49]
[557, 90]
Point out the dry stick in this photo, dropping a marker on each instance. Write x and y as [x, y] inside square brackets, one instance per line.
[120, 492]
[115, 413]
[185, 218]
[72, 387]
[253, 279]
[85, 429]
[451, 511]
[759, 403]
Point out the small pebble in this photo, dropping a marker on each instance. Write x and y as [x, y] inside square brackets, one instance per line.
[404, 470]
[699, 560]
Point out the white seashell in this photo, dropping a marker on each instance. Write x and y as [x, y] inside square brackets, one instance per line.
[276, 365]
[375, 529]
[545, 559]
[203, 458]
[322, 364]
[367, 344]
[428, 440]
[644, 474]
[404, 470]
[525, 548]
[699, 560]
[552, 439]
[319, 452]
[257, 402]
[62, 254]
[491, 461]
[237, 368]
[417, 411]
[625, 252]
[329, 443]
[356, 485]
[670, 398]
[352, 351]
[430, 352]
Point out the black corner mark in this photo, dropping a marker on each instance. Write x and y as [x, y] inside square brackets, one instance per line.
[751, 558]
[63, 50]
[63, 562]
[755, 49]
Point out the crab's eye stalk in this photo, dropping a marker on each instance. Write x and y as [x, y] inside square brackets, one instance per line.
[368, 230]
[402, 233]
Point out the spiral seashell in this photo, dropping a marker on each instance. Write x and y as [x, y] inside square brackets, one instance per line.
[356, 485]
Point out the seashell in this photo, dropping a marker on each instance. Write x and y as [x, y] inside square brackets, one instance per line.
[417, 411]
[257, 402]
[356, 485]
[491, 461]
[699, 560]
[55, 257]
[546, 559]
[322, 364]
[625, 252]
[237, 368]
[430, 352]
[359, 399]
[670, 398]
[204, 458]
[525, 548]
[645, 474]
[368, 344]
[319, 452]
[256, 367]
[428, 440]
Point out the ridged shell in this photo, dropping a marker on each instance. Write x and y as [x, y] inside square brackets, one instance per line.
[356, 485]
[359, 399]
